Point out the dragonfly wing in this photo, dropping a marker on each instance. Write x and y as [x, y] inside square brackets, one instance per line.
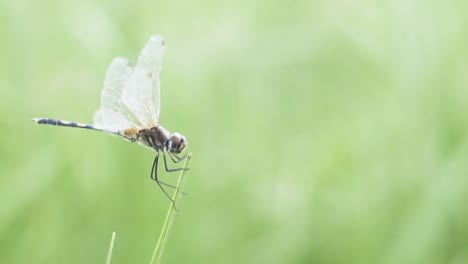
[141, 91]
[113, 114]
[110, 121]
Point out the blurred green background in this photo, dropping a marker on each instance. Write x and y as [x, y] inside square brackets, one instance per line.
[321, 132]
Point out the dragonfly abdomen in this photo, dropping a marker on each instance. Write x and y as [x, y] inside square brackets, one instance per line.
[56, 122]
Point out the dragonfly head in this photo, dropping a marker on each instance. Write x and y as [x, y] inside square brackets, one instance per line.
[177, 143]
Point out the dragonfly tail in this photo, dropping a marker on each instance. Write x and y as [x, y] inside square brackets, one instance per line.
[56, 122]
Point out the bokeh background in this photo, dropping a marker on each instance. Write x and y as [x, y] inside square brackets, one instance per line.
[321, 132]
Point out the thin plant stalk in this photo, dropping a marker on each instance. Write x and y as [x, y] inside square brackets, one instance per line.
[166, 229]
[111, 247]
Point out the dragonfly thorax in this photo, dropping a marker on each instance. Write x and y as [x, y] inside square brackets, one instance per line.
[159, 138]
[155, 137]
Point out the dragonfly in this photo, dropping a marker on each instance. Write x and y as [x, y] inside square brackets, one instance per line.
[130, 107]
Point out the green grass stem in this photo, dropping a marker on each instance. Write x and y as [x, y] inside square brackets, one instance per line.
[111, 247]
[166, 229]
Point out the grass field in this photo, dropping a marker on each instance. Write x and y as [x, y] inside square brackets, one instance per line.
[321, 132]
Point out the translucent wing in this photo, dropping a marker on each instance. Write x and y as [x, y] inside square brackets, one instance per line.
[113, 115]
[141, 91]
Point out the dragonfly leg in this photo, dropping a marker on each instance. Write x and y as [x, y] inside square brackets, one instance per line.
[167, 168]
[154, 169]
[176, 159]
[154, 176]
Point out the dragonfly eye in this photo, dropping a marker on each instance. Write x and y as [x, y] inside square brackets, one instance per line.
[177, 143]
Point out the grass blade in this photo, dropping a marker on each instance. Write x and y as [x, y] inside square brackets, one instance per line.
[111, 247]
[166, 229]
